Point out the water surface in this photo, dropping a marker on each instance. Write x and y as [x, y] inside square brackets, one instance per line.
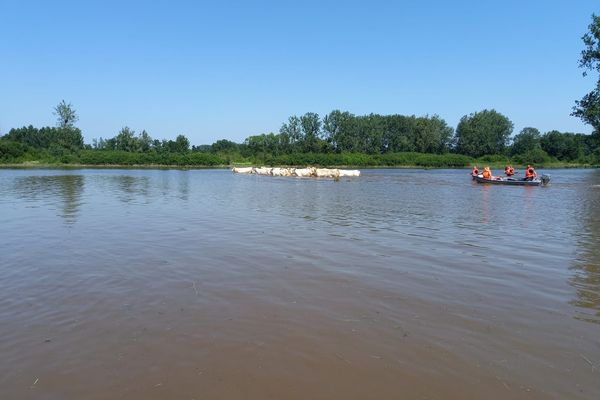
[153, 284]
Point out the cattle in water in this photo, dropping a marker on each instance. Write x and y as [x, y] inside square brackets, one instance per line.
[349, 172]
[327, 173]
[263, 171]
[281, 172]
[301, 172]
[242, 170]
[304, 172]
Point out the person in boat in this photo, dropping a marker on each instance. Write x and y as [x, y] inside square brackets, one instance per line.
[475, 171]
[487, 173]
[530, 173]
[509, 170]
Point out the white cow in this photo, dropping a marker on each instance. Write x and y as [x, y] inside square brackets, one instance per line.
[349, 172]
[277, 171]
[263, 171]
[242, 170]
[304, 172]
[282, 171]
[327, 173]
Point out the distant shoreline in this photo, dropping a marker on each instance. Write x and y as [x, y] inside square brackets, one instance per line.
[34, 165]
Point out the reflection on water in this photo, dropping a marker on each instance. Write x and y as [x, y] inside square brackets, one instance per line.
[64, 189]
[67, 191]
[126, 188]
[183, 185]
[586, 267]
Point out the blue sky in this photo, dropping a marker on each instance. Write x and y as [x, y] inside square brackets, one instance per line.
[213, 70]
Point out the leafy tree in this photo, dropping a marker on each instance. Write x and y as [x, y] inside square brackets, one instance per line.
[526, 141]
[484, 132]
[370, 137]
[264, 144]
[65, 114]
[204, 148]
[566, 146]
[11, 151]
[588, 108]
[399, 133]
[292, 130]
[346, 135]
[182, 144]
[125, 140]
[311, 130]
[68, 138]
[144, 142]
[224, 145]
[335, 126]
[432, 135]
[157, 145]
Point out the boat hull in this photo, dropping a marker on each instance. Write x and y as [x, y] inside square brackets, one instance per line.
[508, 181]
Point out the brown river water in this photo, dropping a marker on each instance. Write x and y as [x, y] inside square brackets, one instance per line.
[203, 284]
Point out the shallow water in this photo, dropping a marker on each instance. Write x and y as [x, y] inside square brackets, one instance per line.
[153, 284]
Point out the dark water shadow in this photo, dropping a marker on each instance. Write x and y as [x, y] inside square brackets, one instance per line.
[144, 189]
[66, 190]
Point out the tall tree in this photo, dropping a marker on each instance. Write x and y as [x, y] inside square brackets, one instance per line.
[484, 132]
[292, 130]
[223, 145]
[65, 115]
[144, 142]
[566, 146]
[182, 144]
[432, 135]
[526, 141]
[588, 108]
[125, 140]
[338, 129]
[399, 133]
[311, 129]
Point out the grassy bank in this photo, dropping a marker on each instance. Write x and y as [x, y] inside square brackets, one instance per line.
[122, 159]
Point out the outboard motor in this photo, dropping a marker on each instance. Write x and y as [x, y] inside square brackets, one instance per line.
[545, 180]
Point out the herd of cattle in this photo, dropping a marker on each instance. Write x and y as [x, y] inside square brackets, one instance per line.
[301, 172]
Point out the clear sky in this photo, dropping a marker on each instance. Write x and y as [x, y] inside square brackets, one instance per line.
[219, 69]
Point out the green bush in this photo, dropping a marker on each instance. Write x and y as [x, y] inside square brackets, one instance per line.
[425, 160]
[115, 157]
[11, 151]
[493, 159]
[536, 156]
[320, 159]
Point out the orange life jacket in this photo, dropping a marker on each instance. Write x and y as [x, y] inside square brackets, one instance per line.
[530, 172]
[487, 174]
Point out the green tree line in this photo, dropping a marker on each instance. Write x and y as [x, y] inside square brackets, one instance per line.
[338, 138]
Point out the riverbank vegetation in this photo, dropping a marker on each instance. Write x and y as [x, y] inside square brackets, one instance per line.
[339, 138]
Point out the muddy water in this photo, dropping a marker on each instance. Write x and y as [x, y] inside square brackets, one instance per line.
[209, 285]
